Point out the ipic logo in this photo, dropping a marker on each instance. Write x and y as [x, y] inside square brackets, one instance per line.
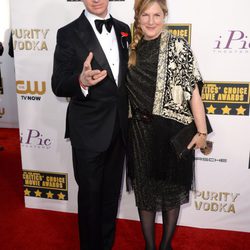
[234, 41]
[2, 112]
[30, 90]
[33, 138]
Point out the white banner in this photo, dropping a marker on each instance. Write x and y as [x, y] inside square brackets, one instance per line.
[219, 35]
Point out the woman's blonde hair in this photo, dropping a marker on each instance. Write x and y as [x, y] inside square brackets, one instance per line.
[139, 7]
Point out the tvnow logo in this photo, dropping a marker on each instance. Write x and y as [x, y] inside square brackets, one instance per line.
[31, 91]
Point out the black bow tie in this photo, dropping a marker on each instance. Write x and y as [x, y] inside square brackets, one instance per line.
[108, 24]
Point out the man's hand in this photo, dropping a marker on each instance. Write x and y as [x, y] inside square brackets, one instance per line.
[91, 77]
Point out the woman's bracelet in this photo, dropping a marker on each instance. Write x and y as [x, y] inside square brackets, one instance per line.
[200, 133]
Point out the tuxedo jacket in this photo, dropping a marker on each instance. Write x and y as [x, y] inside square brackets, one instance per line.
[90, 120]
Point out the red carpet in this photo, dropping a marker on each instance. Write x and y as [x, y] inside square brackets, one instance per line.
[22, 228]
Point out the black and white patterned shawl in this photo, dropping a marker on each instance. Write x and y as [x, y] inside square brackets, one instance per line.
[177, 74]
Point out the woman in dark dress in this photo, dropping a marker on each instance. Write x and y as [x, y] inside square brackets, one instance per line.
[163, 84]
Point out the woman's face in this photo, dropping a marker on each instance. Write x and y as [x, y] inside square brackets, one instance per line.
[151, 21]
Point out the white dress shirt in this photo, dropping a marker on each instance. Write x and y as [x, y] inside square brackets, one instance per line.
[108, 42]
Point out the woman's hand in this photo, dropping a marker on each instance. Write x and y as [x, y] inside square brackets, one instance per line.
[198, 141]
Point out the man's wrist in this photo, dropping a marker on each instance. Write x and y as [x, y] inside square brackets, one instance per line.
[82, 84]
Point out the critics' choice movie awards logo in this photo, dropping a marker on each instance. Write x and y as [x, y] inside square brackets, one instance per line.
[226, 98]
[45, 185]
[223, 202]
[30, 90]
[30, 39]
[232, 41]
[33, 138]
[182, 30]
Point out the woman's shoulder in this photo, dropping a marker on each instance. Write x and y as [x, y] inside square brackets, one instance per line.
[175, 38]
[177, 43]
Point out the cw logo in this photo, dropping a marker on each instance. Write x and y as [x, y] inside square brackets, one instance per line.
[32, 88]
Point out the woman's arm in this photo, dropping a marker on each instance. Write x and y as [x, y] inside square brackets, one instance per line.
[197, 107]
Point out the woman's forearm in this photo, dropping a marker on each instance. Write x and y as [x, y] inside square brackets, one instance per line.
[198, 111]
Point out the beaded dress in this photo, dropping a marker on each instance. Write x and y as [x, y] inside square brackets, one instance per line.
[160, 181]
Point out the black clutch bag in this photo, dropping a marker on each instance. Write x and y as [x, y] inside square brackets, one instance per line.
[181, 140]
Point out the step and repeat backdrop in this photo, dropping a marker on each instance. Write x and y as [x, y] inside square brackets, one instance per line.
[219, 33]
[8, 102]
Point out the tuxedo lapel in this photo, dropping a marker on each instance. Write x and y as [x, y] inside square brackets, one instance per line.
[90, 40]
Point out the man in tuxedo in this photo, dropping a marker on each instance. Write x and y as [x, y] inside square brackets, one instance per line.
[90, 64]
